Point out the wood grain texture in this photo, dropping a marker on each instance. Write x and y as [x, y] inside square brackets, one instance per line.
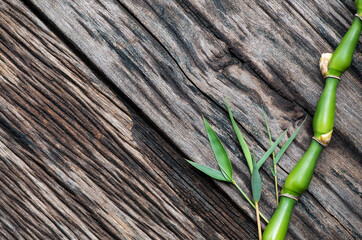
[78, 162]
[175, 60]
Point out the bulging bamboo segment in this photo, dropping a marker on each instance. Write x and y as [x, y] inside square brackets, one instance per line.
[299, 178]
[324, 62]
[342, 57]
[280, 220]
[323, 120]
[359, 7]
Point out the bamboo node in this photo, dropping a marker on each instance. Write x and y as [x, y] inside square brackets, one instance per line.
[289, 196]
[324, 139]
[332, 76]
[359, 16]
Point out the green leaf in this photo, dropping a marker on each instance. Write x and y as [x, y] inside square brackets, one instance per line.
[272, 171]
[270, 150]
[255, 182]
[209, 171]
[219, 152]
[267, 128]
[287, 143]
[242, 142]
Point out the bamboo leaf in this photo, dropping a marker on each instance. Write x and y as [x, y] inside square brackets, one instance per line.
[219, 152]
[209, 171]
[270, 150]
[255, 182]
[287, 143]
[241, 140]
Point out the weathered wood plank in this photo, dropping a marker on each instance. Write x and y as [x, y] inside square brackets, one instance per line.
[176, 60]
[268, 46]
[282, 42]
[78, 162]
[251, 42]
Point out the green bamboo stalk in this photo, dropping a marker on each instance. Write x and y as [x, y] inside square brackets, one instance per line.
[298, 180]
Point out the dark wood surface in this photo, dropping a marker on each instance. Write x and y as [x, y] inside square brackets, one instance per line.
[101, 101]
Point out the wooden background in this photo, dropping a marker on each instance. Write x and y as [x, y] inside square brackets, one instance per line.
[101, 101]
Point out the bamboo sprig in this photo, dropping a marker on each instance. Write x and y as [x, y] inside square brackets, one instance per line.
[226, 172]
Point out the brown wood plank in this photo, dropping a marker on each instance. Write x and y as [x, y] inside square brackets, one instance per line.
[177, 60]
[78, 162]
[284, 26]
[282, 42]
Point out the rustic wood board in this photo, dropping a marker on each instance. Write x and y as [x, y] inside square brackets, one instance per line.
[175, 60]
[77, 161]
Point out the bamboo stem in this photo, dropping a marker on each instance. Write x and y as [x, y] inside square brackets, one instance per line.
[258, 219]
[249, 201]
[276, 183]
